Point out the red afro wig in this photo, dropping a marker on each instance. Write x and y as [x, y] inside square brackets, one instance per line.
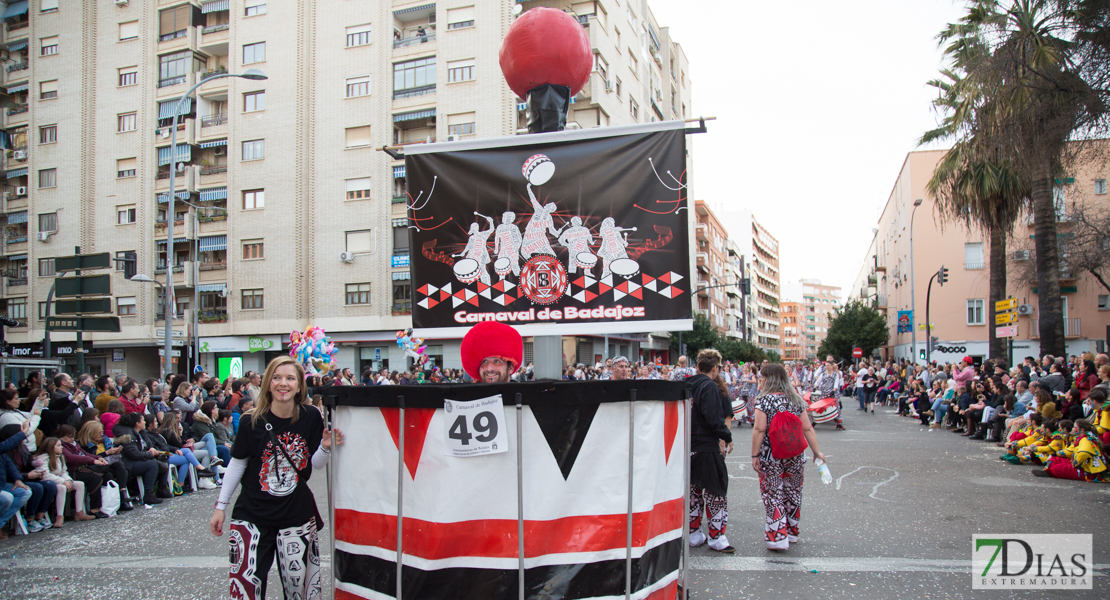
[490, 338]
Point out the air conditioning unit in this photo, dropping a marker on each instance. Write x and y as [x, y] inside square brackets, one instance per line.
[21, 191]
[121, 2]
[346, 256]
[166, 132]
[452, 138]
[20, 155]
[220, 150]
[1025, 309]
[1021, 255]
[608, 85]
[44, 236]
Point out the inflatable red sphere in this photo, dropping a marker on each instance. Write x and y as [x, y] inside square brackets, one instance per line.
[545, 45]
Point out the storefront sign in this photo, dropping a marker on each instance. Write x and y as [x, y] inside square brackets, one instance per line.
[258, 344]
[240, 343]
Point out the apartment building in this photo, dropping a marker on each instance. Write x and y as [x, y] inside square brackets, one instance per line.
[761, 251]
[285, 213]
[958, 311]
[739, 313]
[716, 282]
[818, 304]
[793, 340]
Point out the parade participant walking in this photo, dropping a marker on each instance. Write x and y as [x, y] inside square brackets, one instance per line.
[710, 442]
[491, 352]
[780, 480]
[276, 512]
[827, 385]
[682, 370]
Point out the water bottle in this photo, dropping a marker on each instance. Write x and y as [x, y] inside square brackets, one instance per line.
[823, 469]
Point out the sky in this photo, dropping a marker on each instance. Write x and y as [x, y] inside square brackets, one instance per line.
[817, 105]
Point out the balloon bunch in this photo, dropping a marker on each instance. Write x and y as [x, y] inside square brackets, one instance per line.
[313, 349]
[413, 346]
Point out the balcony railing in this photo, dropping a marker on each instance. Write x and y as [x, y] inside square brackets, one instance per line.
[20, 109]
[211, 74]
[880, 301]
[413, 92]
[400, 199]
[215, 28]
[180, 33]
[220, 215]
[213, 120]
[212, 316]
[16, 281]
[416, 39]
[172, 81]
[18, 26]
[17, 239]
[213, 266]
[1072, 328]
[18, 66]
[213, 170]
[973, 265]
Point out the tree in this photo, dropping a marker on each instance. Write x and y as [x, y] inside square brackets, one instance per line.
[1085, 248]
[740, 350]
[704, 335]
[856, 324]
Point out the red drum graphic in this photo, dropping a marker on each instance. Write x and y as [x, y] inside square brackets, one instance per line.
[503, 266]
[467, 270]
[585, 260]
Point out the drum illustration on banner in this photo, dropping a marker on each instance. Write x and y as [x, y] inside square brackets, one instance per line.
[563, 212]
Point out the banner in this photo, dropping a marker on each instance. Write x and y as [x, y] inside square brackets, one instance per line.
[905, 321]
[461, 527]
[556, 234]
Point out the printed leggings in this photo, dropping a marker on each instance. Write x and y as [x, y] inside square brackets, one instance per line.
[253, 548]
[712, 507]
[780, 485]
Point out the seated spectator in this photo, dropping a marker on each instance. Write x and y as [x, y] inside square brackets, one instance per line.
[105, 393]
[139, 459]
[183, 451]
[14, 494]
[50, 461]
[187, 401]
[204, 423]
[10, 414]
[84, 466]
[110, 416]
[42, 492]
[92, 440]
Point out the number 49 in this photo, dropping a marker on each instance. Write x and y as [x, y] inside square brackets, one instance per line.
[485, 424]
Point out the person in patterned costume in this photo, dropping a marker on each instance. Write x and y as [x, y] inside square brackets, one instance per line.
[710, 442]
[535, 233]
[780, 480]
[827, 384]
[507, 240]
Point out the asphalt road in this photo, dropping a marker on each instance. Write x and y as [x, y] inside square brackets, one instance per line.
[896, 523]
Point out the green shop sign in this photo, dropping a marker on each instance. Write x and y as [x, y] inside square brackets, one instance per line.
[258, 344]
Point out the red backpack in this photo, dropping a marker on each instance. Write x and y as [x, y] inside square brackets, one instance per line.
[787, 439]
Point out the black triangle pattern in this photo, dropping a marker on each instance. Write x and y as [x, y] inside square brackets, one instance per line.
[565, 428]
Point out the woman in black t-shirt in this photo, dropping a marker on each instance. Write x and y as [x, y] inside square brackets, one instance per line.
[278, 444]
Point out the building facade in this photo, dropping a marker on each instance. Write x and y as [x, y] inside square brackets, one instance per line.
[716, 282]
[285, 213]
[761, 251]
[817, 307]
[793, 346]
[958, 313]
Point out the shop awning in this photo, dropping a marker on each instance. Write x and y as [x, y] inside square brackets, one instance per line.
[162, 243]
[165, 108]
[17, 257]
[214, 194]
[180, 196]
[17, 217]
[216, 6]
[210, 243]
[184, 154]
[213, 143]
[17, 46]
[19, 87]
[20, 8]
[398, 172]
[20, 172]
[412, 116]
[211, 287]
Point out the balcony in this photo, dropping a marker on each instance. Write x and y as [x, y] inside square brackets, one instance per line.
[1071, 329]
[429, 36]
[212, 316]
[414, 92]
[879, 302]
[213, 120]
[22, 66]
[973, 265]
[182, 275]
[17, 281]
[703, 232]
[213, 175]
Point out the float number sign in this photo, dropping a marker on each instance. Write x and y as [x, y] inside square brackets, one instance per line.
[475, 428]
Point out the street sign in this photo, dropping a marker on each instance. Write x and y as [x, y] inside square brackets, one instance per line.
[1008, 304]
[101, 260]
[1006, 331]
[108, 324]
[85, 285]
[857, 352]
[90, 306]
[174, 334]
[1004, 318]
[174, 353]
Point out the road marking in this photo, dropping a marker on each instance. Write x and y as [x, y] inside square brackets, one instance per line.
[838, 564]
[122, 562]
[875, 489]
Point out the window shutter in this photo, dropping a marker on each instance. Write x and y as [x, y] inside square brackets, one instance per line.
[461, 118]
[358, 241]
[48, 86]
[355, 185]
[126, 164]
[358, 136]
[128, 30]
[358, 29]
[458, 15]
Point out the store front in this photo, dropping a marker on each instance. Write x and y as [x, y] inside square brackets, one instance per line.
[95, 359]
[233, 356]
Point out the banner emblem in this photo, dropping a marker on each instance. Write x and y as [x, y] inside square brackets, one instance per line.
[543, 279]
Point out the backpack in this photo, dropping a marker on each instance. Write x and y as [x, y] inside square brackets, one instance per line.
[785, 432]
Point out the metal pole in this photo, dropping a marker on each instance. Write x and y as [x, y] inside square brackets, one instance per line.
[913, 294]
[400, 487]
[329, 414]
[49, 299]
[688, 405]
[928, 322]
[196, 276]
[80, 349]
[520, 494]
[631, 466]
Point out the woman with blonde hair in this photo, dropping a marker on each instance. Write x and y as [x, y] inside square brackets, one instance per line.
[780, 480]
[280, 441]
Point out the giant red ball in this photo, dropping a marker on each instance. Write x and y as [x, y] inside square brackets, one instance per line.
[546, 45]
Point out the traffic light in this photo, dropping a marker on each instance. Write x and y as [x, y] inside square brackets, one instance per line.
[921, 354]
[942, 275]
[746, 286]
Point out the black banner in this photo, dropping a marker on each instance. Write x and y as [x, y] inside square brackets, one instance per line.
[582, 232]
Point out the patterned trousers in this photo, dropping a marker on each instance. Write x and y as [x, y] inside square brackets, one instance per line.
[252, 552]
[780, 484]
[713, 507]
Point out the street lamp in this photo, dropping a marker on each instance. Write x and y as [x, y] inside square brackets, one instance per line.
[251, 74]
[140, 278]
[913, 295]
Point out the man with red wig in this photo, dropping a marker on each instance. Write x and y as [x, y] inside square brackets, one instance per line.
[491, 352]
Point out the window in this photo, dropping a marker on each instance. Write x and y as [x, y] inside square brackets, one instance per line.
[461, 124]
[254, 7]
[252, 299]
[358, 136]
[42, 311]
[973, 256]
[358, 293]
[129, 30]
[48, 178]
[48, 89]
[633, 64]
[48, 46]
[358, 189]
[173, 23]
[125, 215]
[359, 35]
[48, 134]
[46, 267]
[48, 221]
[48, 6]
[127, 122]
[128, 76]
[125, 307]
[633, 108]
[254, 199]
[402, 297]
[173, 68]
[254, 150]
[601, 66]
[252, 249]
[400, 236]
[254, 53]
[17, 309]
[460, 70]
[125, 167]
[358, 86]
[975, 312]
[1100, 186]
[253, 101]
[617, 85]
[359, 242]
[1104, 301]
[413, 77]
[457, 18]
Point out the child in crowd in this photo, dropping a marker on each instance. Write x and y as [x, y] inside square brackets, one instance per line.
[49, 461]
[1082, 460]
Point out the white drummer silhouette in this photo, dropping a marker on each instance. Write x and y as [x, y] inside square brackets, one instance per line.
[535, 233]
[476, 247]
[506, 245]
[613, 244]
[577, 239]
